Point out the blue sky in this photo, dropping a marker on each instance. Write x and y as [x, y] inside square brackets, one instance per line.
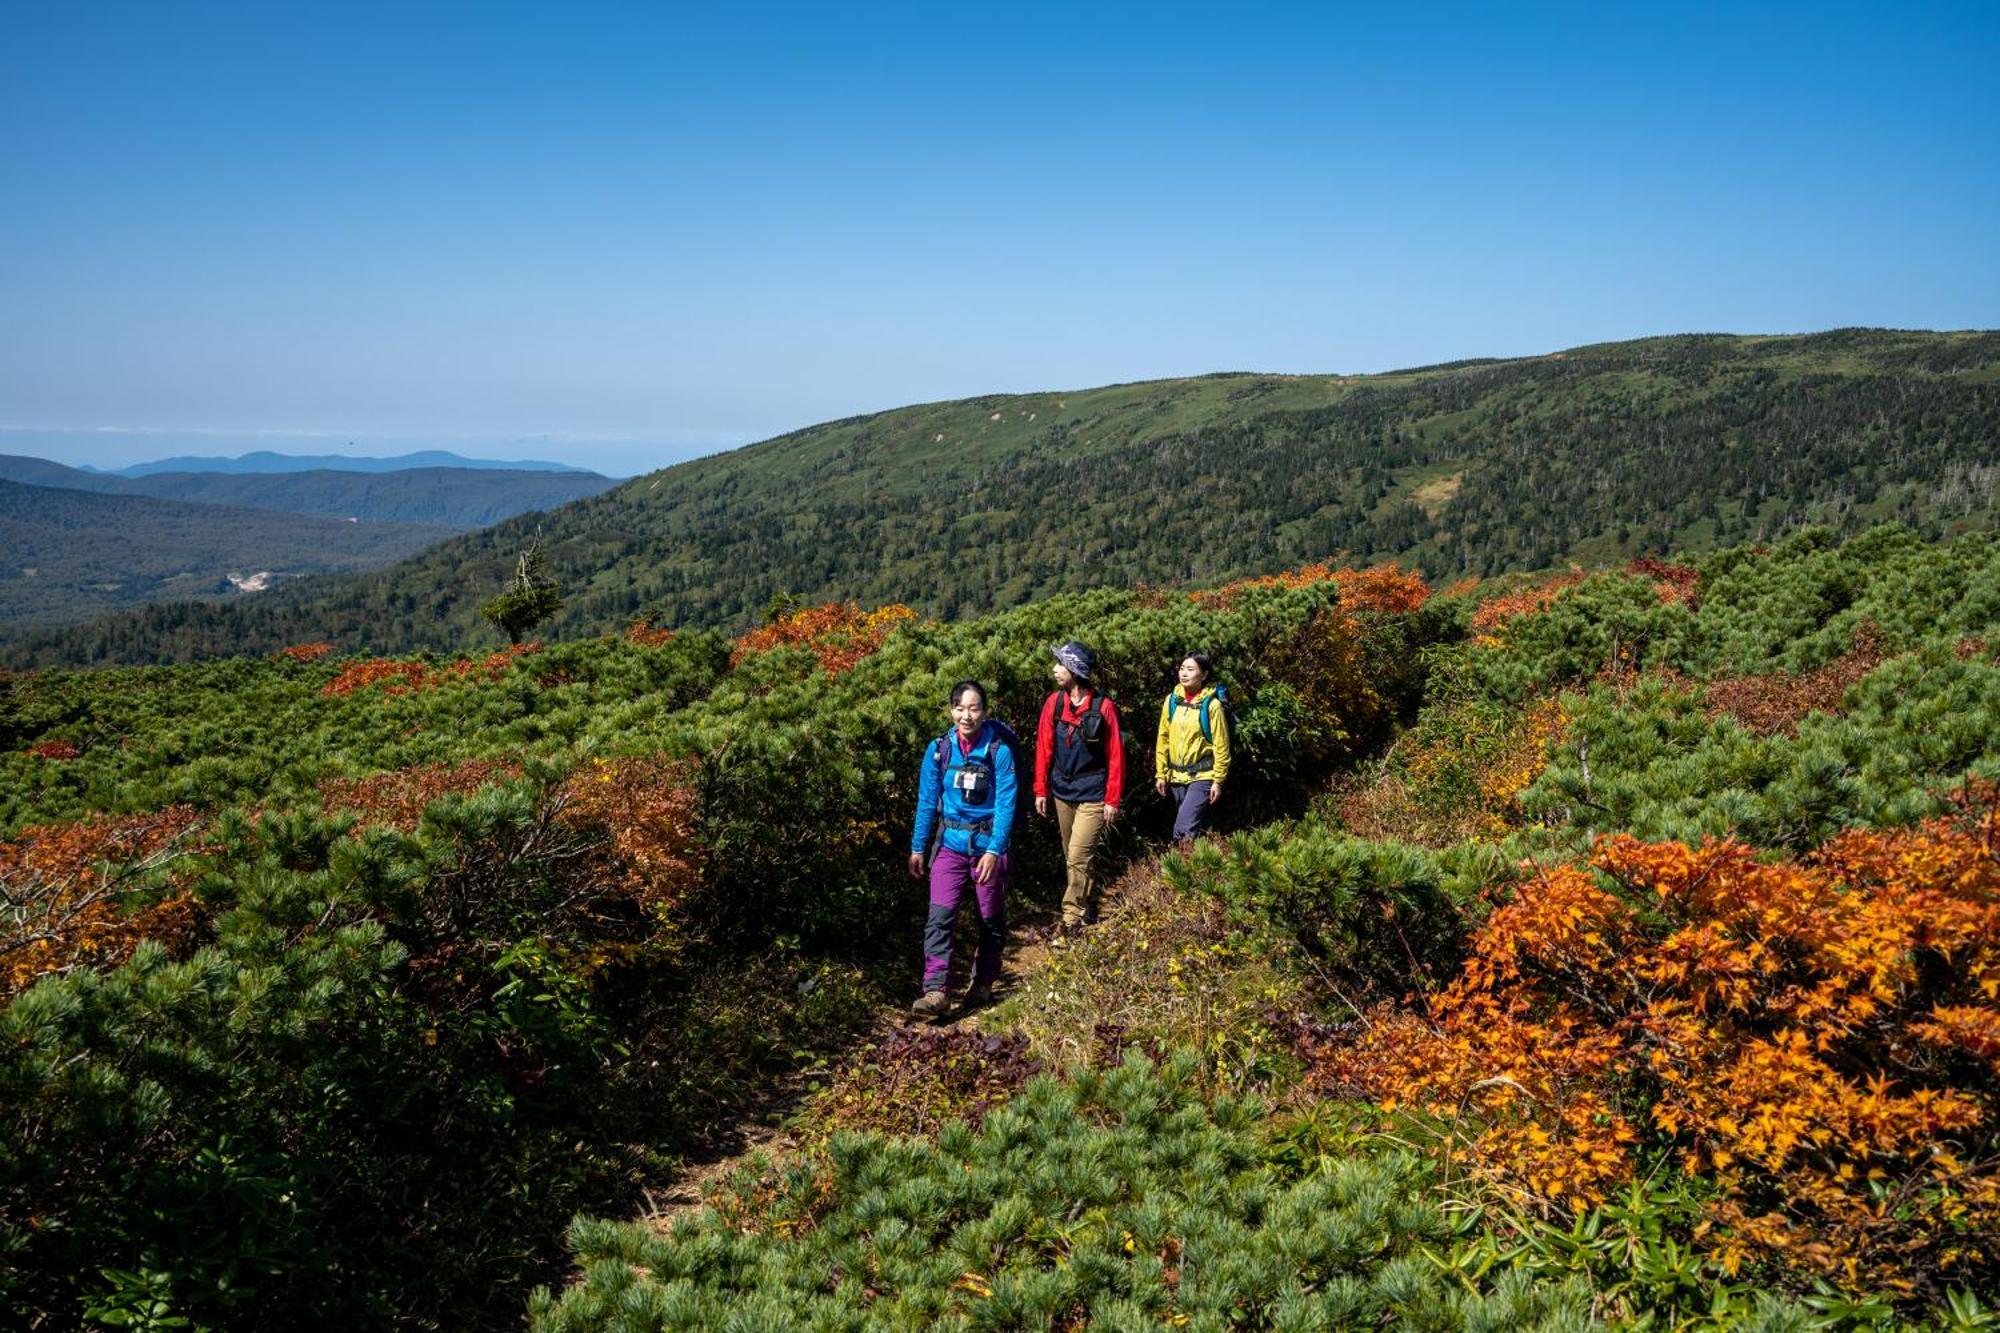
[623, 235]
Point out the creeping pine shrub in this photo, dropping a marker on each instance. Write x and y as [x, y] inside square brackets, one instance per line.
[415, 1031]
[1819, 1036]
[1119, 1200]
[1362, 919]
[1654, 754]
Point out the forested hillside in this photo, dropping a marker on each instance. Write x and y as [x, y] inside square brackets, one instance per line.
[1595, 946]
[72, 554]
[1598, 453]
[457, 498]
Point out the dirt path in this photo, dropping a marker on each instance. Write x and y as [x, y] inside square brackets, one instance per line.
[760, 1129]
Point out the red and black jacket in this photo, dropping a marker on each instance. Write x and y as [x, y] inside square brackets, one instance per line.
[1068, 765]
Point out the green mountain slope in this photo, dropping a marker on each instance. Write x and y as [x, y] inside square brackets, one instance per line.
[72, 554]
[450, 497]
[1474, 467]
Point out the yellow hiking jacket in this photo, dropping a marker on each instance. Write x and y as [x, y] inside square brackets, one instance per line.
[1182, 753]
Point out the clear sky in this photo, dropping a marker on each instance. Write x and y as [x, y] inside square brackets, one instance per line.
[623, 235]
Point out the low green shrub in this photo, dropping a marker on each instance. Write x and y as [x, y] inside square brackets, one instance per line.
[1119, 1198]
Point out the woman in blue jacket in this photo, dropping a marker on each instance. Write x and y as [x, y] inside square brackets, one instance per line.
[968, 787]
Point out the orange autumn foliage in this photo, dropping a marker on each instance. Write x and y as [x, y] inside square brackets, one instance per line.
[1773, 703]
[396, 799]
[1497, 611]
[1672, 584]
[1385, 587]
[305, 652]
[64, 891]
[359, 675]
[1820, 1036]
[410, 676]
[641, 634]
[53, 750]
[649, 807]
[838, 634]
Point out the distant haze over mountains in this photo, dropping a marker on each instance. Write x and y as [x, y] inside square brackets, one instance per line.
[450, 497]
[131, 451]
[76, 543]
[70, 554]
[265, 460]
[1594, 454]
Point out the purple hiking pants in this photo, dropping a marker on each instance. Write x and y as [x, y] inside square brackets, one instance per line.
[1190, 808]
[951, 884]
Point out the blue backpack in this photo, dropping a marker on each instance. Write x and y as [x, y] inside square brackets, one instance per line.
[941, 754]
[1221, 696]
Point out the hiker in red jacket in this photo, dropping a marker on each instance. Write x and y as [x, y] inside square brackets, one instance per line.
[1080, 764]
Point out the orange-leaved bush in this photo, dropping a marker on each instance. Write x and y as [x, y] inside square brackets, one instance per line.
[641, 634]
[1672, 583]
[1819, 1036]
[1774, 702]
[648, 808]
[397, 798]
[305, 652]
[838, 634]
[64, 891]
[1384, 587]
[1497, 611]
[408, 677]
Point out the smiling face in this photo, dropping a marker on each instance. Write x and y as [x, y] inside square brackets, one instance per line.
[968, 710]
[1191, 674]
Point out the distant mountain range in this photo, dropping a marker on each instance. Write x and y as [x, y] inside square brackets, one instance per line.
[264, 460]
[1593, 454]
[67, 555]
[457, 498]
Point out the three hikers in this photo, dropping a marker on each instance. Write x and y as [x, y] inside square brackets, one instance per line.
[968, 786]
[1080, 767]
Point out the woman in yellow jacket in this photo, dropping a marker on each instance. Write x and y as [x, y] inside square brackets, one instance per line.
[1191, 757]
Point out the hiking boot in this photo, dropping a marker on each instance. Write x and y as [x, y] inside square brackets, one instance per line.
[935, 1004]
[979, 996]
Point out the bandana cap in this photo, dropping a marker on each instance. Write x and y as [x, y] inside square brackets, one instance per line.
[1077, 659]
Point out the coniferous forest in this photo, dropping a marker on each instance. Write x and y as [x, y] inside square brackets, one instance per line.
[1606, 944]
[1597, 454]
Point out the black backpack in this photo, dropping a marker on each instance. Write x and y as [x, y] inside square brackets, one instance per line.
[1091, 725]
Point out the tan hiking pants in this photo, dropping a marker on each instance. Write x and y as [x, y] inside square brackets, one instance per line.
[1081, 824]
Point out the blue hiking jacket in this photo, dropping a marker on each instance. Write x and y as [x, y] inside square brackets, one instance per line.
[965, 790]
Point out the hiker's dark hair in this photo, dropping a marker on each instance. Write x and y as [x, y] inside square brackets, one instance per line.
[958, 692]
[1201, 660]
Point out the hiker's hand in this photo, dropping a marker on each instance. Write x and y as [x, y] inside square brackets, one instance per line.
[1160, 786]
[1214, 792]
[1110, 815]
[916, 865]
[983, 872]
[1042, 806]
